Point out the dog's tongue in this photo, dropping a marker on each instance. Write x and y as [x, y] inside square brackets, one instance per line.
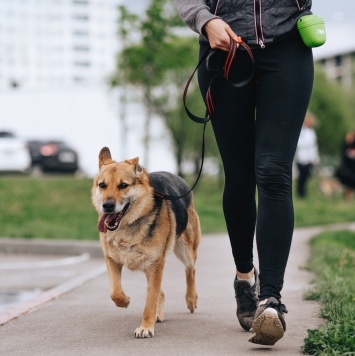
[109, 219]
[112, 221]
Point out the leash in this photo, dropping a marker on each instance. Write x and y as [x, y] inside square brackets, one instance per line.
[220, 72]
[177, 197]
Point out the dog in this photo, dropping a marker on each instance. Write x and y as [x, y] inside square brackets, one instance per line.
[329, 186]
[138, 228]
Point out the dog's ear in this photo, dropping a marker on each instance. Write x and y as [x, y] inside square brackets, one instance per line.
[135, 163]
[105, 156]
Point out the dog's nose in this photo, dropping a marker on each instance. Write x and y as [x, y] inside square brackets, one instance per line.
[109, 206]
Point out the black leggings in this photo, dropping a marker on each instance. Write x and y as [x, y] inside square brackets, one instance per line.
[257, 128]
[304, 173]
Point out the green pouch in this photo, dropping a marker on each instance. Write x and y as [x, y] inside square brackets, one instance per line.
[312, 30]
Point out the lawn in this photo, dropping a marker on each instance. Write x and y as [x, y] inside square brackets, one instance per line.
[60, 207]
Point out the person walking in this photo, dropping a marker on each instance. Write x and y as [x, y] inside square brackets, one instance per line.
[256, 126]
[346, 172]
[307, 155]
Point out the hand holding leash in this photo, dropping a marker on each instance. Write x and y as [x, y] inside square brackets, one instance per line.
[221, 70]
[219, 34]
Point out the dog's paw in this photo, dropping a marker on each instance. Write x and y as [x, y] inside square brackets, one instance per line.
[142, 332]
[121, 302]
[160, 318]
[191, 303]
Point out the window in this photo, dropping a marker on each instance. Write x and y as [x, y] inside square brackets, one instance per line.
[81, 48]
[338, 60]
[82, 64]
[80, 2]
[81, 17]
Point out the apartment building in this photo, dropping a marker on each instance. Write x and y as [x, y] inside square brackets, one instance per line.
[55, 43]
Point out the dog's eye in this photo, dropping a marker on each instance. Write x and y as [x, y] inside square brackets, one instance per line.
[102, 185]
[122, 185]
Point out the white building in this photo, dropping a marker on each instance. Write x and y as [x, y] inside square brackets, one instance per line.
[55, 58]
[54, 43]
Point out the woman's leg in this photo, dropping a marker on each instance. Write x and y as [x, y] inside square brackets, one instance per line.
[233, 124]
[285, 79]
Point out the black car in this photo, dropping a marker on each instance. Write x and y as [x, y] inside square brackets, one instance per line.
[53, 156]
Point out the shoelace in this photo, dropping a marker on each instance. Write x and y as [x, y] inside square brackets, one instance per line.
[247, 297]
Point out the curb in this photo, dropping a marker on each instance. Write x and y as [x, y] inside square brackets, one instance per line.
[54, 293]
[51, 247]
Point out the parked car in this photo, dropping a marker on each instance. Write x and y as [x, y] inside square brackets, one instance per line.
[14, 153]
[53, 156]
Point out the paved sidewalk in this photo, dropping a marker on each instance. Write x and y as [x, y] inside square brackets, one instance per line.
[78, 317]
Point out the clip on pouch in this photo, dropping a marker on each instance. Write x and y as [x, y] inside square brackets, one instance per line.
[312, 30]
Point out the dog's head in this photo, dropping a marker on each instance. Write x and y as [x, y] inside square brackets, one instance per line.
[116, 188]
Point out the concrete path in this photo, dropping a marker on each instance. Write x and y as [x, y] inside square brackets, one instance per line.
[75, 315]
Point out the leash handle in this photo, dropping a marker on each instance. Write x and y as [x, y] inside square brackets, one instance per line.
[230, 61]
[227, 65]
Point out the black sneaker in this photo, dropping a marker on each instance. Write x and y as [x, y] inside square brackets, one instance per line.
[247, 300]
[269, 324]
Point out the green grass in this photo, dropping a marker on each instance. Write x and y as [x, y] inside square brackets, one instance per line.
[333, 262]
[57, 207]
[60, 207]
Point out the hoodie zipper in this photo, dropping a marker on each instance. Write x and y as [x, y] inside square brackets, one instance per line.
[258, 23]
[299, 6]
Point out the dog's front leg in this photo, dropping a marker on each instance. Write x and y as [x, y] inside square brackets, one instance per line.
[114, 272]
[154, 279]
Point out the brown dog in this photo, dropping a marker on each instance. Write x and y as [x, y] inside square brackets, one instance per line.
[137, 229]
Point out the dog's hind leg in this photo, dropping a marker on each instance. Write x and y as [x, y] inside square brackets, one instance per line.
[117, 294]
[186, 250]
[160, 307]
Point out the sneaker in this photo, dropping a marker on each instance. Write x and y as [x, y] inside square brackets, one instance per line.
[269, 324]
[247, 300]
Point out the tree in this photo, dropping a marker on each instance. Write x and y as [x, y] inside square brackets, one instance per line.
[329, 102]
[159, 64]
[144, 63]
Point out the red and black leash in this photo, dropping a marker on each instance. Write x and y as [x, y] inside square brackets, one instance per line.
[230, 60]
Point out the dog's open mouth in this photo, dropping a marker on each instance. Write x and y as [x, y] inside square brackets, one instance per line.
[112, 221]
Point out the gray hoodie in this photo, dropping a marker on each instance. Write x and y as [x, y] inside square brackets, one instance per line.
[258, 22]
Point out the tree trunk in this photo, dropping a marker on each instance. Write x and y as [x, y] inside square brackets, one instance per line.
[147, 123]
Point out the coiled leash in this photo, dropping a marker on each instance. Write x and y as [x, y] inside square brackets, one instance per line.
[221, 71]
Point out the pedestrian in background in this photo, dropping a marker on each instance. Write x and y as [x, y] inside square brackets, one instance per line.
[307, 156]
[346, 172]
[256, 126]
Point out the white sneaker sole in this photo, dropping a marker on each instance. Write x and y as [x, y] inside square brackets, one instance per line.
[267, 328]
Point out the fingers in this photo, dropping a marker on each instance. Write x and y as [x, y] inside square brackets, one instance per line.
[232, 34]
[219, 34]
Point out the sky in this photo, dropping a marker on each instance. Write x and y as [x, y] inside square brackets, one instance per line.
[340, 26]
